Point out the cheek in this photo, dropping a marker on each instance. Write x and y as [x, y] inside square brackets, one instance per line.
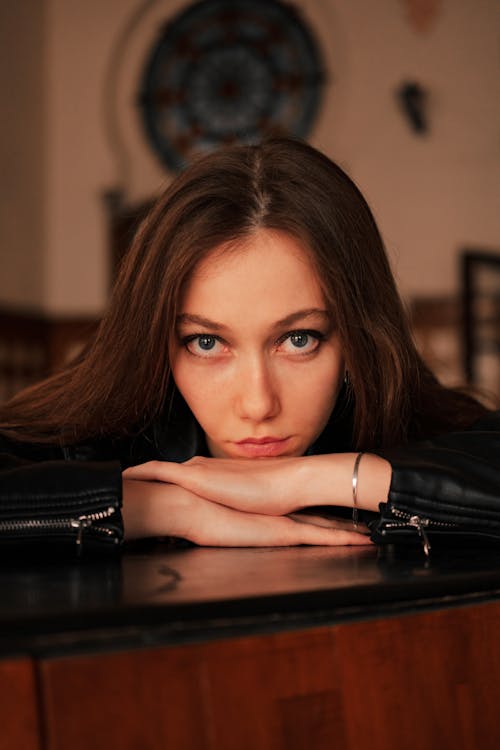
[199, 390]
[325, 372]
[319, 386]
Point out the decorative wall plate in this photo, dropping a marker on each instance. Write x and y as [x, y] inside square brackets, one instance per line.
[229, 70]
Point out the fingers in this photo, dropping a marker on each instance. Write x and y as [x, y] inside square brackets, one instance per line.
[213, 479]
[319, 535]
[243, 520]
[152, 471]
[225, 527]
[191, 475]
[328, 522]
[284, 531]
[152, 509]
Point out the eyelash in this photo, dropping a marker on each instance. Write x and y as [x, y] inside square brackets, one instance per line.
[317, 335]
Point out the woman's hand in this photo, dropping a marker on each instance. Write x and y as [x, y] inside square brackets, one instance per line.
[156, 509]
[270, 486]
[275, 486]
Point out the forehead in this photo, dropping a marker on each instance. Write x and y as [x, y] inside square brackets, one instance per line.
[270, 272]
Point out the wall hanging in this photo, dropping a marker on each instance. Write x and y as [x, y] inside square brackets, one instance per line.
[229, 70]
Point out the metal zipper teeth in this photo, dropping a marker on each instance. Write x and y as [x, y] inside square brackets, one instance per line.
[56, 523]
[52, 524]
[416, 522]
[425, 521]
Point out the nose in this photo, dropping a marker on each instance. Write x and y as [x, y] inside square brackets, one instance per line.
[257, 392]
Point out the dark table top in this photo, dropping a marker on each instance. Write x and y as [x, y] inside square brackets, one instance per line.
[159, 594]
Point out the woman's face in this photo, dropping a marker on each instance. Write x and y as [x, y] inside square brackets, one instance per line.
[257, 355]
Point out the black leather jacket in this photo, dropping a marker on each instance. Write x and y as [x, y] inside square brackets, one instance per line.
[444, 488]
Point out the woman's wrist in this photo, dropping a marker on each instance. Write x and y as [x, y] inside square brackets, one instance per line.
[154, 509]
[374, 481]
[328, 480]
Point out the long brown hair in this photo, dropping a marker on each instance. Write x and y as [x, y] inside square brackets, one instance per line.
[120, 383]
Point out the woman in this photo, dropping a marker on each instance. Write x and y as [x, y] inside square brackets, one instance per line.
[255, 317]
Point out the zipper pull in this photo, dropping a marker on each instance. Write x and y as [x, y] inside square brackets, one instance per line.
[81, 523]
[419, 525]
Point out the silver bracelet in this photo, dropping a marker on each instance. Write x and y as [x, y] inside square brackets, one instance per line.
[355, 489]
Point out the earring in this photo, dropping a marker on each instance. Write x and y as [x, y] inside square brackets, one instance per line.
[347, 381]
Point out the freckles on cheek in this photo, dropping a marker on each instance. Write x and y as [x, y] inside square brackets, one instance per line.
[323, 383]
[199, 385]
[323, 393]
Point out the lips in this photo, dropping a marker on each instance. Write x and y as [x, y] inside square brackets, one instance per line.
[262, 447]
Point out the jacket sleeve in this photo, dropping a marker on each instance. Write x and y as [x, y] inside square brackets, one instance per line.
[49, 503]
[444, 488]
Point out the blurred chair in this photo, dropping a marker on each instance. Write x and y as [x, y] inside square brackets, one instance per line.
[435, 322]
[33, 346]
[480, 291]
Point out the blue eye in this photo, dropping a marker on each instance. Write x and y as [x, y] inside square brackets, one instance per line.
[299, 340]
[206, 342]
[204, 345]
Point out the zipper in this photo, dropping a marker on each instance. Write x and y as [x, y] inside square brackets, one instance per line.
[81, 523]
[416, 522]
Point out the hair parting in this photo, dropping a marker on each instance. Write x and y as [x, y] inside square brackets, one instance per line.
[122, 381]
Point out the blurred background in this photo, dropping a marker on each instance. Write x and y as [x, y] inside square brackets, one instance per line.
[105, 100]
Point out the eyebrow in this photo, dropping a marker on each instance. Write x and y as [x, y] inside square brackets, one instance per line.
[185, 318]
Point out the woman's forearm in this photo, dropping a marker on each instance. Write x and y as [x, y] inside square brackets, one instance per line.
[328, 479]
[159, 509]
[152, 509]
[275, 486]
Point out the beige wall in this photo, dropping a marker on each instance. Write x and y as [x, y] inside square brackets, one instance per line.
[22, 153]
[431, 194]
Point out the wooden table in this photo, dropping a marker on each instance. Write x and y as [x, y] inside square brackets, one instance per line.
[282, 649]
